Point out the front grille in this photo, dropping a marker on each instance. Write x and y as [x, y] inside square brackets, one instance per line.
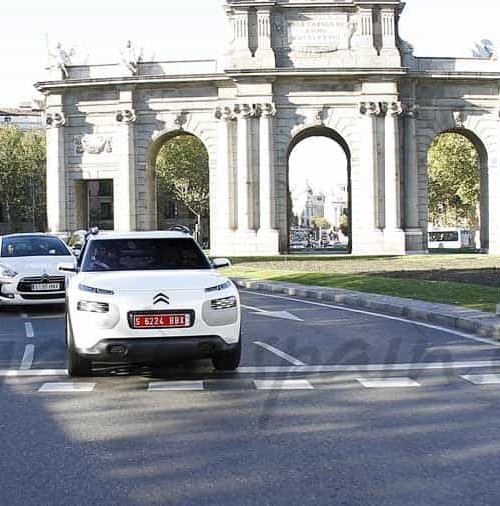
[42, 296]
[25, 284]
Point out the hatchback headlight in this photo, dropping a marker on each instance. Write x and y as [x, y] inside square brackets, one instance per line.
[217, 288]
[225, 303]
[91, 289]
[5, 272]
[92, 306]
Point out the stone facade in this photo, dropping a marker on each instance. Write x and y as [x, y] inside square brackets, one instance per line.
[294, 69]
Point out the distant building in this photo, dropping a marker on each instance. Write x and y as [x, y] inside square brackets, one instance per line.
[26, 116]
[336, 204]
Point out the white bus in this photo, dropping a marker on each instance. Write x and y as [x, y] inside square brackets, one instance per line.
[451, 238]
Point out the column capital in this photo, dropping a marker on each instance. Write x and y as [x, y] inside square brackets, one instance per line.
[268, 109]
[125, 116]
[225, 113]
[55, 119]
[411, 110]
[370, 109]
[246, 111]
[393, 109]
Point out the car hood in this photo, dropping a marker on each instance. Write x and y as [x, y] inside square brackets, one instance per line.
[140, 281]
[26, 266]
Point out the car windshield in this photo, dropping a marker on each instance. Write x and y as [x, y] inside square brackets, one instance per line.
[143, 255]
[33, 246]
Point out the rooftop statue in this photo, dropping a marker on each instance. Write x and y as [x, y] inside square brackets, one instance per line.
[60, 58]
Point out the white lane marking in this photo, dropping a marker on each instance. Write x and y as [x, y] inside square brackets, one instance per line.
[482, 379]
[27, 360]
[24, 315]
[161, 386]
[29, 329]
[430, 366]
[9, 373]
[378, 315]
[285, 315]
[67, 387]
[276, 384]
[387, 382]
[279, 353]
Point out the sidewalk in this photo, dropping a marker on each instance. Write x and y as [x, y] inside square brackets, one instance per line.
[469, 320]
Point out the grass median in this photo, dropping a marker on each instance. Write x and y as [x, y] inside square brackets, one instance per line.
[470, 281]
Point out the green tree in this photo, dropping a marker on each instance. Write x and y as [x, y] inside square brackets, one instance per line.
[454, 181]
[344, 224]
[22, 177]
[320, 222]
[182, 173]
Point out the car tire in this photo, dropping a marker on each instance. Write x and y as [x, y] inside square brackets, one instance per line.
[228, 361]
[78, 366]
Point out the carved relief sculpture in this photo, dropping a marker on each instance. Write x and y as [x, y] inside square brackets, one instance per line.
[92, 144]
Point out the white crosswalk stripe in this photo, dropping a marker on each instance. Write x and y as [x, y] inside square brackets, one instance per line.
[161, 386]
[387, 382]
[67, 387]
[279, 384]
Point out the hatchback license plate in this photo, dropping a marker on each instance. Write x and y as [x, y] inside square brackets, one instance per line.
[45, 287]
[161, 321]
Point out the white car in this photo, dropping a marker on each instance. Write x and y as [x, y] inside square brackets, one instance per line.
[28, 269]
[149, 297]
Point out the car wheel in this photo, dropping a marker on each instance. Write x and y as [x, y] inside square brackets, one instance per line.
[78, 366]
[228, 361]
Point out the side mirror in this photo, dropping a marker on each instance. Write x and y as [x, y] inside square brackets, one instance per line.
[67, 267]
[218, 263]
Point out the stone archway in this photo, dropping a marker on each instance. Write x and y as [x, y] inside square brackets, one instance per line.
[189, 216]
[322, 131]
[482, 154]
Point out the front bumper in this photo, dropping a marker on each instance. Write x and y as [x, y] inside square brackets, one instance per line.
[163, 350]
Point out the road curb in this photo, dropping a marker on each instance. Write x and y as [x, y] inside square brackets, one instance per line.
[469, 320]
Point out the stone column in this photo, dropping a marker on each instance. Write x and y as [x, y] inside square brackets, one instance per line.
[125, 197]
[392, 163]
[264, 54]
[367, 208]
[411, 168]
[224, 206]
[244, 166]
[266, 159]
[56, 166]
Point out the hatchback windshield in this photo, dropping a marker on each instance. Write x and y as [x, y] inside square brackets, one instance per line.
[33, 246]
[143, 254]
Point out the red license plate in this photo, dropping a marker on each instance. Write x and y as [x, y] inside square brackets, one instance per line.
[161, 321]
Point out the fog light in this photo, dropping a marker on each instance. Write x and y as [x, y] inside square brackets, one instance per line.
[92, 307]
[225, 303]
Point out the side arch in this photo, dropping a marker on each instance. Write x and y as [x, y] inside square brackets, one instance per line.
[483, 157]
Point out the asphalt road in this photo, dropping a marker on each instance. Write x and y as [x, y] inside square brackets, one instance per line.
[330, 406]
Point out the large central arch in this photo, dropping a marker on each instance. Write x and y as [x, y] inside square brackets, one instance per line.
[324, 132]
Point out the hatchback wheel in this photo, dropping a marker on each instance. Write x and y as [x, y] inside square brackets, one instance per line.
[228, 361]
[78, 366]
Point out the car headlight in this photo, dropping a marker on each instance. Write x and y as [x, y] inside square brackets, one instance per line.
[91, 289]
[5, 272]
[92, 306]
[225, 303]
[216, 288]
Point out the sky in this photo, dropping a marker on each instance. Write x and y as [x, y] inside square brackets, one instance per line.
[190, 29]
